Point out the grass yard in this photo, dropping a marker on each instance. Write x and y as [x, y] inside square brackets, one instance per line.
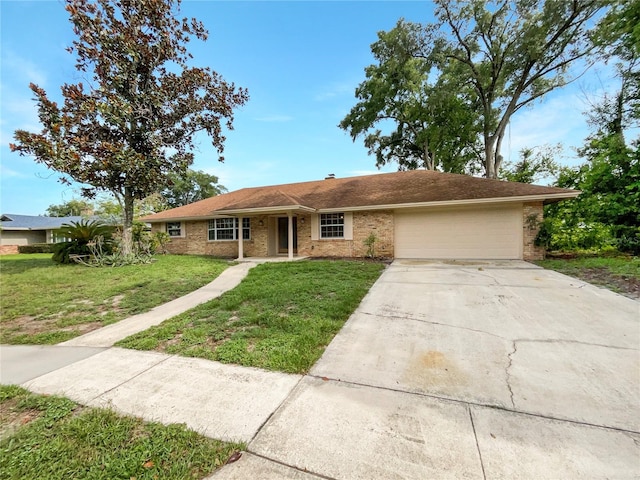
[620, 274]
[46, 303]
[52, 437]
[281, 317]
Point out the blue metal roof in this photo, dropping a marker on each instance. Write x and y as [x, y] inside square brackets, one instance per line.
[9, 221]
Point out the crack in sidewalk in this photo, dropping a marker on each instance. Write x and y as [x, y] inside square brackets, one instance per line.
[508, 374]
[430, 322]
[131, 378]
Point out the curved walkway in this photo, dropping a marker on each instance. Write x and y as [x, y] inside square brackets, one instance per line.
[107, 336]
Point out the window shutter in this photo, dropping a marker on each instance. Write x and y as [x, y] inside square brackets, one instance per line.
[315, 226]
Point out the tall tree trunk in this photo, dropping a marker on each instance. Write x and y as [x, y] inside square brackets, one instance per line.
[497, 156]
[616, 127]
[429, 159]
[489, 155]
[492, 147]
[127, 225]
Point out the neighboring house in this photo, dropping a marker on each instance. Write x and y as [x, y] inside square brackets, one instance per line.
[16, 230]
[413, 214]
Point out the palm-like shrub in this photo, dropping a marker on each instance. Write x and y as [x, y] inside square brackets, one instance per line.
[79, 236]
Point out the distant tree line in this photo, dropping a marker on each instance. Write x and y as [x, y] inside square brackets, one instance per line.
[180, 190]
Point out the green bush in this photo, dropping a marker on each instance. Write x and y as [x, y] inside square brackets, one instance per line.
[81, 234]
[146, 242]
[628, 240]
[558, 235]
[36, 248]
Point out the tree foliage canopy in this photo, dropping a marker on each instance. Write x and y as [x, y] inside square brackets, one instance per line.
[608, 208]
[71, 208]
[136, 120]
[434, 128]
[195, 185]
[488, 59]
[534, 165]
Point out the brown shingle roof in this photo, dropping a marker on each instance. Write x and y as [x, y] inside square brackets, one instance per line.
[399, 188]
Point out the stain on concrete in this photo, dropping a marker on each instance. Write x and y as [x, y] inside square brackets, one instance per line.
[432, 369]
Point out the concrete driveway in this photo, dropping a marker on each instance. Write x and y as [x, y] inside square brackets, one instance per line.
[466, 370]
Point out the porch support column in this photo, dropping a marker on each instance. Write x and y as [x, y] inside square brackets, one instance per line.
[240, 239]
[290, 217]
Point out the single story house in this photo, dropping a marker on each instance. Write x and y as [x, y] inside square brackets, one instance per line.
[16, 230]
[412, 214]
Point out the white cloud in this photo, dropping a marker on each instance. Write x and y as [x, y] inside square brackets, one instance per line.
[240, 174]
[22, 71]
[335, 89]
[6, 172]
[557, 120]
[19, 111]
[559, 117]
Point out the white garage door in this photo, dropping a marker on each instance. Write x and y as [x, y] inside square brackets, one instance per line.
[489, 232]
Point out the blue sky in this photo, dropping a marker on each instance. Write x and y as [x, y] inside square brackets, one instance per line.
[301, 62]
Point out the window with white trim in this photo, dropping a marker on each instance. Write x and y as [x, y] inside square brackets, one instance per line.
[332, 225]
[227, 229]
[174, 229]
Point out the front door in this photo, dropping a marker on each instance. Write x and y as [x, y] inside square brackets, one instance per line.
[283, 235]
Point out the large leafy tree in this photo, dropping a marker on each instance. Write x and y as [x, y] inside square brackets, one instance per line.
[610, 177]
[73, 207]
[618, 36]
[136, 121]
[409, 115]
[611, 180]
[193, 186]
[496, 57]
[606, 212]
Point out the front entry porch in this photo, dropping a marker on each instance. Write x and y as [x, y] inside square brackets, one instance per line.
[274, 235]
[283, 234]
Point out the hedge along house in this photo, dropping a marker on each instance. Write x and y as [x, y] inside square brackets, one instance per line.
[412, 214]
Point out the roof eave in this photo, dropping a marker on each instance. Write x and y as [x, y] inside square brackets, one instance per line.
[452, 203]
[232, 212]
[27, 229]
[277, 209]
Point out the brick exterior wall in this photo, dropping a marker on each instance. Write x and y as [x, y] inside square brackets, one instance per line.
[194, 240]
[379, 222]
[8, 249]
[532, 216]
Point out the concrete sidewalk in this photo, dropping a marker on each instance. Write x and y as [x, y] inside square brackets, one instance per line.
[107, 336]
[21, 363]
[221, 401]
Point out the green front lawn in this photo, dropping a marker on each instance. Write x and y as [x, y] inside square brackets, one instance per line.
[620, 274]
[48, 437]
[281, 317]
[46, 303]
